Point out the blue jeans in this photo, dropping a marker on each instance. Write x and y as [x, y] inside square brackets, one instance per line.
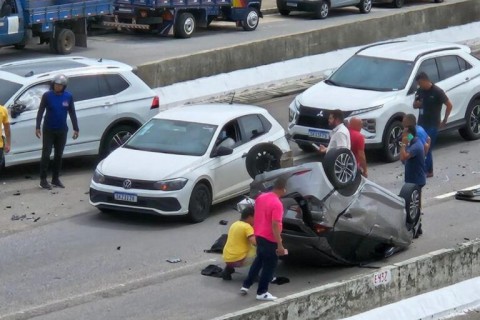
[432, 133]
[266, 260]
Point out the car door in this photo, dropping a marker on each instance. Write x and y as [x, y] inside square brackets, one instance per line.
[96, 109]
[11, 25]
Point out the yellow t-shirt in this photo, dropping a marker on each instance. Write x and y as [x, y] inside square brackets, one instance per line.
[238, 246]
[3, 120]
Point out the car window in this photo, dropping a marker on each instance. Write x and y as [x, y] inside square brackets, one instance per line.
[7, 90]
[430, 68]
[87, 87]
[32, 96]
[252, 126]
[448, 66]
[229, 136]
[464, 65]
[116, 83]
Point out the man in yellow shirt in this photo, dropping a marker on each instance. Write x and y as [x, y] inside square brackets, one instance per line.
[239, 251]
[4, 126]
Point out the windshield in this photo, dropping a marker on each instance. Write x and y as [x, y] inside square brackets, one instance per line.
[7, 90]
[172, 136]
[370, 73]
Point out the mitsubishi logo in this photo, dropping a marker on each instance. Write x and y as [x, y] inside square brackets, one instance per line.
[320, 114]
[127, 184]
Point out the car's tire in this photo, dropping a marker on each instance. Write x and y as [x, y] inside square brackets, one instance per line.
[184, 25]
[306, 148]
[65, 41]
[340, 167]
[200, 203]
[411, 194]
[471, 130]
[19, 46]
[282, 9]
[365, 6]
[251, 20]
[262, 158]
[115, 138]
[322, 10]
[106, 211]
[391, 141]
[398, 3]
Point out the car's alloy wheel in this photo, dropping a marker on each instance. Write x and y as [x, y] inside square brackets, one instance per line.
[345, 168]
[471, 131]
[393, 137]
[200, 203]
[115, 138]
[411, 194]
[323, 10]
[365, 6]
[414, 205]
[341, 169]
[398, 3]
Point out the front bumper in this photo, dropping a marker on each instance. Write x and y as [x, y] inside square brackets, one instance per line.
[309, 6]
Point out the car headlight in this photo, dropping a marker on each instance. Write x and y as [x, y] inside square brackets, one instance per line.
[170, 185]
[98, 177]
[360, 111]
[293, 109]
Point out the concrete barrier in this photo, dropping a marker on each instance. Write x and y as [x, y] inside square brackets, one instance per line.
[392, 283]
[364, 31]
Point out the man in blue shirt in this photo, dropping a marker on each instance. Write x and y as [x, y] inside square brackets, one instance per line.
[411, 120]
[57, 103]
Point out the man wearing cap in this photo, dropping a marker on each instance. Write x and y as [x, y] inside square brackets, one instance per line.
[56, 104]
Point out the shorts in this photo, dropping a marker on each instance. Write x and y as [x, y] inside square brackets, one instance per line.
[245, 262]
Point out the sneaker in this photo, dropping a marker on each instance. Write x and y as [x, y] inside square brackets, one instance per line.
[266, 297]
[45, 185]
[243, 291]
[57, 183]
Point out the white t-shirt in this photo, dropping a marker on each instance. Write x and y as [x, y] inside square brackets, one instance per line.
[339, 138]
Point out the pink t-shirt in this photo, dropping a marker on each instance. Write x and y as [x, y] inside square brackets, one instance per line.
[268, 208]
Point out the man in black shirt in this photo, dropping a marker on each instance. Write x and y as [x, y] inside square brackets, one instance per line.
[430, 99]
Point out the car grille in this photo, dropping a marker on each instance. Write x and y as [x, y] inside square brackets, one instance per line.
[136, 184]
[313, 118]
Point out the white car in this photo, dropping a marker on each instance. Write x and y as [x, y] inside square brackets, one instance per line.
[378, 85]
[110, 100]
[186, 159]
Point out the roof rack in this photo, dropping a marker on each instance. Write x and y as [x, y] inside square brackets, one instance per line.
[379, 44]
[437, 50]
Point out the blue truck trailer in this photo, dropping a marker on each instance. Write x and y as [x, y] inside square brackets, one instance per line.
[181, 17]
[60, 23]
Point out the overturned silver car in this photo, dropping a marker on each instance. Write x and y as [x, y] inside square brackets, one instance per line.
[333, 215]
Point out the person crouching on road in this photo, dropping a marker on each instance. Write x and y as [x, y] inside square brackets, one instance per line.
[239, 251]
[268, 228]
[57, 103]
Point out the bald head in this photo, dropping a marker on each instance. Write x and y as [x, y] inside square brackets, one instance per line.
[355, 124]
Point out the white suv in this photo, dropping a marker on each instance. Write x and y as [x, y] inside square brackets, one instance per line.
[378, 85]
[110, 100]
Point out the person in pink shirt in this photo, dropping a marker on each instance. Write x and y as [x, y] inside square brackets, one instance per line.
[267, 228]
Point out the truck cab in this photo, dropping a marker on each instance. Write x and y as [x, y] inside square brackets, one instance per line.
[12, 29]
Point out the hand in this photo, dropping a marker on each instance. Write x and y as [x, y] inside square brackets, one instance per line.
[75, 135]
[38, 133]
[322, 148]
[443, 124]
[6, 148]
[365, 174]
[417, 104]
[280, 250]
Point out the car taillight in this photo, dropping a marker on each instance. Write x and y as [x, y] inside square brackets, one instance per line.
[318, 228]
[155, 103]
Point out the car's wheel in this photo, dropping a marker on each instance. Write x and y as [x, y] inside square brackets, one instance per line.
[365, 6]
[411, 193]
[282, 9]
[19, 46]
[115, 138]
[398, 3]
[262, 158]
[184, 25]
[471, 131]
[251, 20]
[200, 203]
[391, 141]
[65, 41]
[306, 148]
[322, 11]
[340, 167]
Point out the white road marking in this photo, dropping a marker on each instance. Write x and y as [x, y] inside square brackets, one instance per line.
[451, 194]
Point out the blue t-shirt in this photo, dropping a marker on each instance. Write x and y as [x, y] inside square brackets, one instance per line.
[421, 134]
[415, 165]
[56, 108]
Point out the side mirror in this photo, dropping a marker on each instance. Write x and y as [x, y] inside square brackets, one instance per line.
[17, 109]
[327, 73]
[222, 151]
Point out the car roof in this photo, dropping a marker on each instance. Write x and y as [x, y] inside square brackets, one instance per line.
[409, 50]
[33, 69]
[215, 113]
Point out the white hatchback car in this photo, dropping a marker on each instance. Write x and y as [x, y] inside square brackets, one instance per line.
[187, 158]
[110, 100]
[378, 85]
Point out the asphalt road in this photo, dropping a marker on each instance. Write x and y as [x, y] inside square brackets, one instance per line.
[75, 263]
[137, 49]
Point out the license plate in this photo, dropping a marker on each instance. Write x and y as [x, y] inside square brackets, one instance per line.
[320, 134]
[128, 197]
[292, 4]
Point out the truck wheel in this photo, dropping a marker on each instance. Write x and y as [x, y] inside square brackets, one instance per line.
[250, 22]
[184, 26]
[65, 41]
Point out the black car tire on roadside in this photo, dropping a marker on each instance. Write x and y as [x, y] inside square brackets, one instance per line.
[398, 3]
[365, 6]
[391, 141]
[340, 167]
[411, 193]
[438, 1]
[472, 122]
[322, 10]
[282, 9]
[115, 138]
[251, 20]
[262, 158]
[200, 203]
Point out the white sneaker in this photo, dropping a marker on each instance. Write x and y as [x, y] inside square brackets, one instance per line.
[243, 291]
[266, 297]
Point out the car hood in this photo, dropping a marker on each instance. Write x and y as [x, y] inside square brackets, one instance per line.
[145, 165]
[331, 97]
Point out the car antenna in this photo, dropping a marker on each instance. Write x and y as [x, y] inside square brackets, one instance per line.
[233, 97]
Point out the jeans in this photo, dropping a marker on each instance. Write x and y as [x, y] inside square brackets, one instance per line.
[52, 139]
[266, 260]
[1, 159]
[432, 133]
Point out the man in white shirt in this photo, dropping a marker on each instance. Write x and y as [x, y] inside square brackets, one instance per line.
[340, 136]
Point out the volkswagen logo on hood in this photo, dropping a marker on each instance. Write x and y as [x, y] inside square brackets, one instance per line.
[127, 184]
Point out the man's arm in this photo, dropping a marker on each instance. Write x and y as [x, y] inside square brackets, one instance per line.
[449, 106]
[73, 118]
[8, 142]
[278, 238]
[252, 240]
[363, 163]
[40, 112]
[427, 144]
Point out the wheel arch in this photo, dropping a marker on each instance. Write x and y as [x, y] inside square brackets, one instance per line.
[119, 122]
[395, 117]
